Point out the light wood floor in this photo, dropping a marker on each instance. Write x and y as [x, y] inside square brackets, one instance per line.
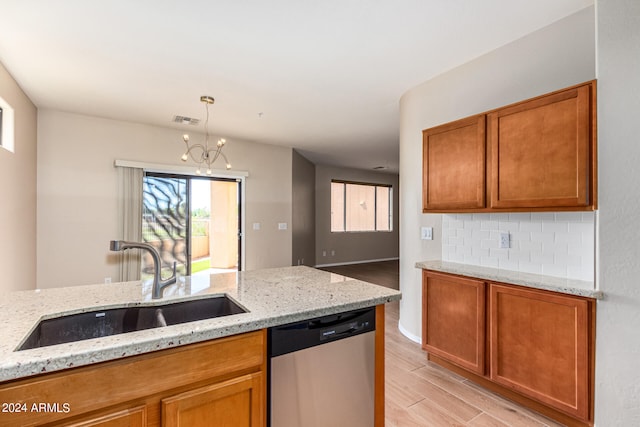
[421, 393]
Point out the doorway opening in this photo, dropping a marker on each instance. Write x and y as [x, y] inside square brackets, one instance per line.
[192, 221]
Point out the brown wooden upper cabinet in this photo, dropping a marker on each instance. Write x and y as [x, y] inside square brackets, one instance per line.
[454, 165]
[535, 155]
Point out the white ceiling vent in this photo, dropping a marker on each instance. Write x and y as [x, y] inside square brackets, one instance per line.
[186, 120]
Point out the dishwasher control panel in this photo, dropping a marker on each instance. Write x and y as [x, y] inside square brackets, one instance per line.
[295, 336]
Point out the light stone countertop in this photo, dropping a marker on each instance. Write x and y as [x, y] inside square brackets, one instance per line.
[549, 283]
[272, 297]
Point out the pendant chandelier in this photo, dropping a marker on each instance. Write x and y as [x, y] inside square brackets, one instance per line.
[203, 154]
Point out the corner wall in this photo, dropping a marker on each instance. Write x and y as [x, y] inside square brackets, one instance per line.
[77, 193]
[618, 315]
[554, 57]
[303, 221]
[18, 192]
[352, 247]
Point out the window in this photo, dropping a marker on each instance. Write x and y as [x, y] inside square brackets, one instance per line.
[6, 125]
[360, 207]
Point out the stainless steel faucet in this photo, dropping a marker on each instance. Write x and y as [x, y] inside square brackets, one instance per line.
[158, 283]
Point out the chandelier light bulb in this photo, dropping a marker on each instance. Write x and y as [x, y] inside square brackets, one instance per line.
[184, 157]
[185, 137]
[228, 166]
[208, 171]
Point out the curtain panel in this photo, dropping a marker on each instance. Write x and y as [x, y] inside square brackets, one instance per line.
[130, 182]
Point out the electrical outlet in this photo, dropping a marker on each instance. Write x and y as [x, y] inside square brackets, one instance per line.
[107, 280]
[333, 253]
[256, 226]
[426, 233]
[282, 226]
[504, 241]
[324, 253]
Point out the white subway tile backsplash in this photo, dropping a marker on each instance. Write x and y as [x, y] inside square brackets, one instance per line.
[499, 253]
[554, 270]
[530, 246]
[542, 258]
[489, 262]
[519, 217]
[568, 216]
[499, 216]
[530, 226]
[555, 227]
[488, 225]
[557, 244]
[509, 226]
[543, 237]
[530, 267]
[508, 264]
[569, 237]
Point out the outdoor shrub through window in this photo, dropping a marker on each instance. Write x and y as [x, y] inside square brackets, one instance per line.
[360, 207]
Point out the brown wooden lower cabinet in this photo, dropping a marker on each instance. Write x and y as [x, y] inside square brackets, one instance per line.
[219, 382]
[237, 402]
[454, 319]
[539, 345]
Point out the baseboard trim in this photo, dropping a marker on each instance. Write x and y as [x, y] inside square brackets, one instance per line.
[356, 262]
[408, 334]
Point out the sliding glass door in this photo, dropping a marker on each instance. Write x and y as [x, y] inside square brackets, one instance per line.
[194, 221]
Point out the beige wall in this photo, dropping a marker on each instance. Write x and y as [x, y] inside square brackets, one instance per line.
[554, 57]
[352, 247]
[303, 226]
[18, 192]
[77, 186]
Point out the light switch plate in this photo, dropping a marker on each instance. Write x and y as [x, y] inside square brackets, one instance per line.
[282, 226]
[426, 233]
[504, 241]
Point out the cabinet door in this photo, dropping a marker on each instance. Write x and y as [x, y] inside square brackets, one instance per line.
[135, 417]
[454, 165]
[453, 324]
[541, 152]
[539, 346]
[238, 402]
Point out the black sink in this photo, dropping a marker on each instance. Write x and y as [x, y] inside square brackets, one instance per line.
[102, 323]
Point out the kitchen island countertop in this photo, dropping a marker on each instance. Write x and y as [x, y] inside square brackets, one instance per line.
[272, 297]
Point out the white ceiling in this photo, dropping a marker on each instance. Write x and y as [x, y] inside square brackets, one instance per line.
[326, 75]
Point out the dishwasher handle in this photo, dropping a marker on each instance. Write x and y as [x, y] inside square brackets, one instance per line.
[329, 321]
[342, 330]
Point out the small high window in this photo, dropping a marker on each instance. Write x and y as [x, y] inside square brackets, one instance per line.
[6, 125]
[360, 207]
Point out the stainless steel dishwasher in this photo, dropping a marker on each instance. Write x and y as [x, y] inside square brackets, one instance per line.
[322, 373]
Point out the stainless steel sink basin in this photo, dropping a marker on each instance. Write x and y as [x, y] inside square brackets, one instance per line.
[102, 323]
